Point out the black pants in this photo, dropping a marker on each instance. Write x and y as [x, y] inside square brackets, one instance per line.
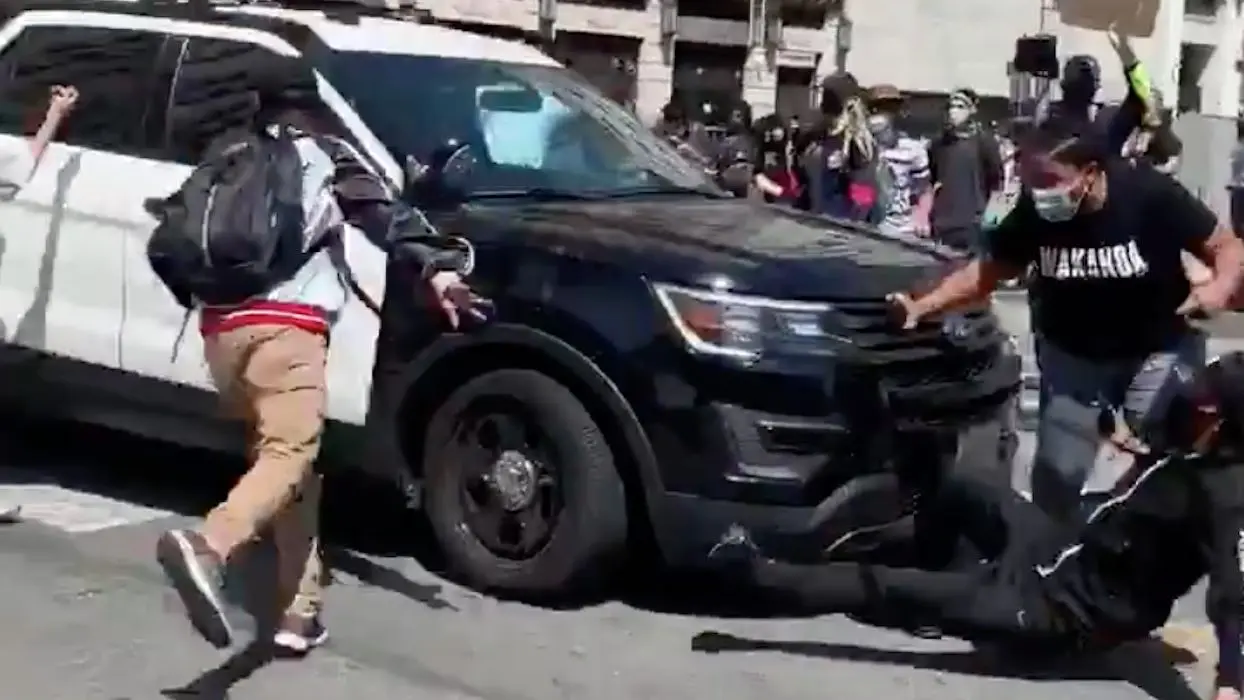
[995, 601]
[963, 238]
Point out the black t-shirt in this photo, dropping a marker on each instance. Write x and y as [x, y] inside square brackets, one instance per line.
[1107, 283]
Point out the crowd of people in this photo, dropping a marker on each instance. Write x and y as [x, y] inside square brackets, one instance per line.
[853, 160]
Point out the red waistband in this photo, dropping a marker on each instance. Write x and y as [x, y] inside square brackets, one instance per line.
[262, 312]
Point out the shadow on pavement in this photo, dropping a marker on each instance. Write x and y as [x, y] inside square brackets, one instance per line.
[698, 595]
[215, 683]
[387, 578]
[1146, 666]
[360, 518]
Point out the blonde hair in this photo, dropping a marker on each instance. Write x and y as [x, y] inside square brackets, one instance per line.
[852, 125]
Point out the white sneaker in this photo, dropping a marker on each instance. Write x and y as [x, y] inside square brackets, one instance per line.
[298, 636]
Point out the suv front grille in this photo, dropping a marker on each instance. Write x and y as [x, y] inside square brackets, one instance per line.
[931, 380]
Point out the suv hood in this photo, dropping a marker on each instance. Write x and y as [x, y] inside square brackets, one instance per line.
[761, 249]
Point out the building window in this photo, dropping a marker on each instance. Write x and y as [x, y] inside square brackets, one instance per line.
[1193, 60]
[794, 91]
[617, 4]
[803, 13]
[1202, 8]
[715, 9]
[609, 63]
[708, 79]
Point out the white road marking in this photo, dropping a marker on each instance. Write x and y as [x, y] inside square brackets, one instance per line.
[74, 511]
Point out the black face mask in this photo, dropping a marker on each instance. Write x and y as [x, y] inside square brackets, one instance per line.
[1079, 92]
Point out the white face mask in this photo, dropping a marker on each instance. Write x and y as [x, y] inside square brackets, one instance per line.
[882, 128]
[958, 116]
[1055, 204]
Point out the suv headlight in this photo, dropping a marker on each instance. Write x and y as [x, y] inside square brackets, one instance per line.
[745, 327]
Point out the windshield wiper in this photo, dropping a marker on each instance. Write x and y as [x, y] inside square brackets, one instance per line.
[645, 191]
[538, 194]
[552, 194]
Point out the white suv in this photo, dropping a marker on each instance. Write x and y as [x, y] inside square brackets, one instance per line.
[157, 82]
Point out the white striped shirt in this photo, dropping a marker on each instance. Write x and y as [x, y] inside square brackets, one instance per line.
[906, 166]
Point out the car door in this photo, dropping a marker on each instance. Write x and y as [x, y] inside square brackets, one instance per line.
[207, 96]
[67, 296]
[211, 94]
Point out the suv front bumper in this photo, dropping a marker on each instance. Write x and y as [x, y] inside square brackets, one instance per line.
[687, 525]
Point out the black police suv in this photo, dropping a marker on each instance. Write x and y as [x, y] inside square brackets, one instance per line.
[661, 360]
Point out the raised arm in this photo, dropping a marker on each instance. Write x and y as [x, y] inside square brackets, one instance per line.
[17, 167]
[1139, 108]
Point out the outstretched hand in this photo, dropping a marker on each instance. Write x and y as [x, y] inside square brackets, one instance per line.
[1208, 299]
[455, 298]
[903, 310]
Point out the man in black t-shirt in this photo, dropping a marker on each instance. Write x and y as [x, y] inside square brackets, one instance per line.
[1109, 295]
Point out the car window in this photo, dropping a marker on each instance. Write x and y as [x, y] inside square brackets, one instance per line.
[214, 94]
[113, 69]
[532, 127]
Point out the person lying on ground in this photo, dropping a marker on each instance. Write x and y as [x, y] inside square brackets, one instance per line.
[1038, 586]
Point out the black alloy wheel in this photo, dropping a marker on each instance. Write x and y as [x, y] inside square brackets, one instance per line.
[521, 490]
[511, 495]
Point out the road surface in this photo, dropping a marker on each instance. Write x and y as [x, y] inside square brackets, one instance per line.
[86, 616]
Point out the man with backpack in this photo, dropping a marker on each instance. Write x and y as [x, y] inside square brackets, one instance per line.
[254, 241]
[966, 169]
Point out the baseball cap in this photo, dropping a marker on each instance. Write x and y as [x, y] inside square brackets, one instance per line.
[884, 93]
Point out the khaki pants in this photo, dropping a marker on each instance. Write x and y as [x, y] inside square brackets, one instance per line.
[274, 378]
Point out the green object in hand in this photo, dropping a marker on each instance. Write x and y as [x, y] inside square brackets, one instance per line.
[1141, 83]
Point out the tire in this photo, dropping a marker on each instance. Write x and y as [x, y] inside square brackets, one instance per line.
[591, 530]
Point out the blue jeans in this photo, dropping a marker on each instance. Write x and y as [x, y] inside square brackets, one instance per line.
[1142, 388]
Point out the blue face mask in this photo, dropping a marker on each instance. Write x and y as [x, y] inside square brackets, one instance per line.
[1056, 204]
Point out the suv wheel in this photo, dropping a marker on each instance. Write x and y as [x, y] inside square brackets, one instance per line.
[521, 488]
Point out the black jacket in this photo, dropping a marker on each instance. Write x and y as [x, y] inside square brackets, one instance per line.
[1146, 544]
[369, 203]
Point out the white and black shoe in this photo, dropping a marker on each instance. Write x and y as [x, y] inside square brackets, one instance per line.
[197, 574]
[298, 636]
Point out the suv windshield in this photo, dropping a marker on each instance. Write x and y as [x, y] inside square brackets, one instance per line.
[531, 128]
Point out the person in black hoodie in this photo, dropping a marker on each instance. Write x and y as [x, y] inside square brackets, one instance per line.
[1137, 128]
[1039, 586]
[965, 165]
[775, 177]
[735, 154]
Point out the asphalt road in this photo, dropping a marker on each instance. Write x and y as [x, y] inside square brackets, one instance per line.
[86, 616]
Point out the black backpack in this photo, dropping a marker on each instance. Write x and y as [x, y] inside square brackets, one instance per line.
[235, 229]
